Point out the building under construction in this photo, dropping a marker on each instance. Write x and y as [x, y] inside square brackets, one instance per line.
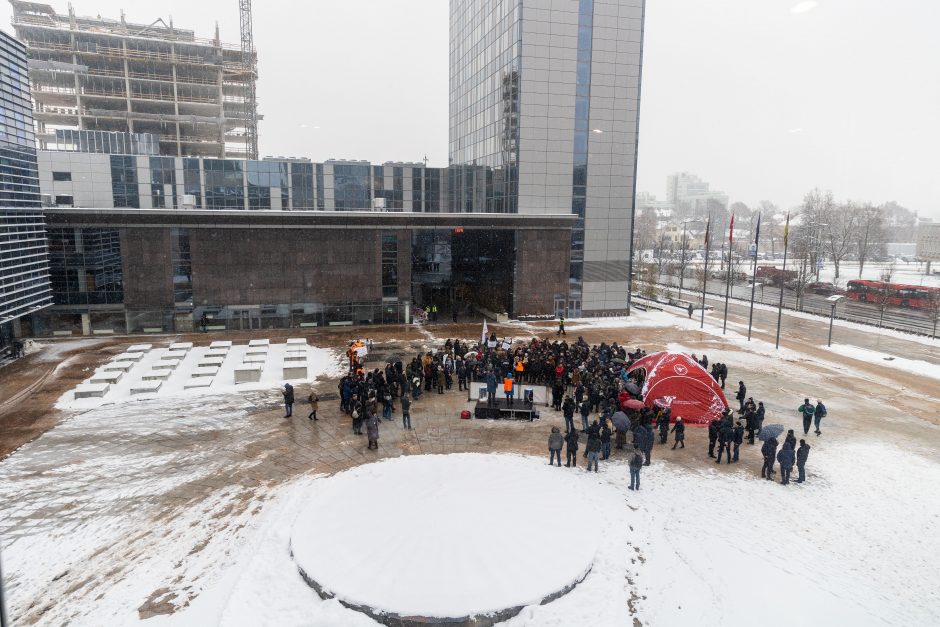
[195, 96]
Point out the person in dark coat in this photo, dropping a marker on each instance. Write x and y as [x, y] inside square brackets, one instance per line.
[643, 437]
[636, 463]
[802, 454]
[288, 400]
[358, 416]
[790, 439]
[605, 440]
[372, 430]
[679, 430]
[818, 414]
[593, 447]
[738, 438]
[741, 395]
[723, 373]
[567, 408]
[662, 422]
[585, 412]
[786, 457]
[769, 451]
[725, 437]
[808, 411]
[621, 434]
[690, 310]
[406, 412]
[571, 452]
[760, 415]
[555, 440]
[750, 421]
[490, 388]
[713, 427]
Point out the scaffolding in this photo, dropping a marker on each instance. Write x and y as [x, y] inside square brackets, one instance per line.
[197, 95]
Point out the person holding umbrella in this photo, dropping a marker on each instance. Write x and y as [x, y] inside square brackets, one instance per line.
[621, 426]
[679, 429]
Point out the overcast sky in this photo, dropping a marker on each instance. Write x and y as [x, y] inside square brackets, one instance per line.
[765, 99]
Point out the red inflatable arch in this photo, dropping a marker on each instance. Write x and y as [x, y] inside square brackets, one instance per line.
[680, 382]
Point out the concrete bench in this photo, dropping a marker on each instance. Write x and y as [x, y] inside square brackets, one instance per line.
[206, 362]
[306, 325]
[341, 323]
[92, 390]
[181, 346]
[248, 374]
[157, 374]
[123, 366]
[215, 352]
[295, 359]
[102, 332]
[208, 371]
[153, 329]
[221, 344]
[174, 354]
[202, 382]
[61, 333]
[129, 357]
[255, 359]
[215, 327]
[259, 343]
[139, 348]
[107, 376]
[296, 341]
[257, 350]
[166, 364]
[146, 387]
[295, 372]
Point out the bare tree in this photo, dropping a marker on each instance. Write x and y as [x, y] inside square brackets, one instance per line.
[870, 233]
[884, 295]
[840, 232]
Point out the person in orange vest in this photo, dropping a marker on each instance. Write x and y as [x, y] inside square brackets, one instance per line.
[520, 369]
[507, 387]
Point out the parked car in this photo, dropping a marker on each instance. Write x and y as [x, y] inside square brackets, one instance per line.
[824, 289]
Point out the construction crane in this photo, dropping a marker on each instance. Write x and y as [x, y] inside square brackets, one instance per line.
[249, 61]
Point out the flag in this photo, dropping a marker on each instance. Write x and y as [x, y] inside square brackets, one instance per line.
[486, 331]
[757, 234]
[708, 227]
[786, 229]
[731, 231]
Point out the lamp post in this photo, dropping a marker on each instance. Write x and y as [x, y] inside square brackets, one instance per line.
[833, 301]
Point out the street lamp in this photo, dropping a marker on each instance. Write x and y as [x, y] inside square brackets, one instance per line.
[833, 300]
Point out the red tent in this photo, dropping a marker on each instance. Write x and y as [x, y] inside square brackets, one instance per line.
[678, 381]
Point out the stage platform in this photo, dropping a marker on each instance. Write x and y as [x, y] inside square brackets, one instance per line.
[501, 410]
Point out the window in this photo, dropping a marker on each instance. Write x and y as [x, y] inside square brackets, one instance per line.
[61, 176]
[63, 201]
[389, 266]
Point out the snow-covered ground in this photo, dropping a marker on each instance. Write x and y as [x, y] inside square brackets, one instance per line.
[913, 366]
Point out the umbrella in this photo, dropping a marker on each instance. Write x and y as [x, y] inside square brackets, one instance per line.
[470, 355]
[770, 431]
[633, 403]
[617, 360]
[663, 402]
[631, 387]
[621, 422]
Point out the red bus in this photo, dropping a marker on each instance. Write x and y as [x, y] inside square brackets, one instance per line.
[895, 294]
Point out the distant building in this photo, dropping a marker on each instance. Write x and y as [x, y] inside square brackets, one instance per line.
[24, 265]
[928, 242]
[688, 193]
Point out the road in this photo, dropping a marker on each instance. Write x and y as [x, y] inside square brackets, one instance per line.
[908, 320]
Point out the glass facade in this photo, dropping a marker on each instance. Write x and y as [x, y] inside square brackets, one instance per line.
[390, 266]
[192, 184]
[182, 261]
[263, 178]
[124, 181]
[85, 265]
[485, 61]
[107, 142]
[579, 173]
[225, 183]
[301, 177]
[162, 174]
[351, 186]
[24, 269]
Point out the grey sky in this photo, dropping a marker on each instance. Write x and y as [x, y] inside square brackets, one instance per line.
[765, 99]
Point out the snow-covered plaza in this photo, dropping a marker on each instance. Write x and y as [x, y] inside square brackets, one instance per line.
[188, 506]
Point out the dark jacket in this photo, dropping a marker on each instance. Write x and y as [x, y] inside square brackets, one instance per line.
[725, 434]
[769, 448]
[643, 438]
[572, 440]
[807, 410]
[802, 453]
[605, 434]
[738, 436]
[288, 393]
[586, 408]
[790, 441]
[786, 457]
[742, 392]
[555, 440]
[679, 428]
[405, 403]
[568, 408]
[593, 444]
[663, 422]
[713, 430]
[372, 427]
[636, 459]
[820, 411]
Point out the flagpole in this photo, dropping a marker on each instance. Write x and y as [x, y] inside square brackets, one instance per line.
[724, 329]
[786, 242]
[705, 273]
[750, 318]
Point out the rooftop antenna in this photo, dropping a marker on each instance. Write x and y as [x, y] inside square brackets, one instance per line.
[249, 63]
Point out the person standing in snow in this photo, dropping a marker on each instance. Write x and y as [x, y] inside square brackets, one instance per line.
[790, 439]
[786, 457]
[571, 452]
[723, 373]
[725, 437]
[372, 430]
[490, 388]
[662, 422]
[406, 412]
[636, 464]
[738, 438]
[555, 440]
[769, 451]
[605, 439]
[713, 428]
[561, 326]
[288, 400]
[802, 454]
[818, 414]
[643, 437]
[741, 396]
[593, 447]
[679, 429]
[808, 411]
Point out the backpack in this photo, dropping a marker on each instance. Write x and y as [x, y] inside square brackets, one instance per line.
[638, 459]
[355, 414]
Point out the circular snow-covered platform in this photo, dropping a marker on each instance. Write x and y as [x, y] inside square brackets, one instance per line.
[445, 539]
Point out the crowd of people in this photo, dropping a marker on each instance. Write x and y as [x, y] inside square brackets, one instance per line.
[590, 382]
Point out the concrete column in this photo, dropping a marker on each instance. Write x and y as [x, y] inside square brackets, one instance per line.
[176, 101]
[127, 87]
[86, 324]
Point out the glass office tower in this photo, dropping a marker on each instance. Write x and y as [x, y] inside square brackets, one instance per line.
[544, 110]
[24, 265]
